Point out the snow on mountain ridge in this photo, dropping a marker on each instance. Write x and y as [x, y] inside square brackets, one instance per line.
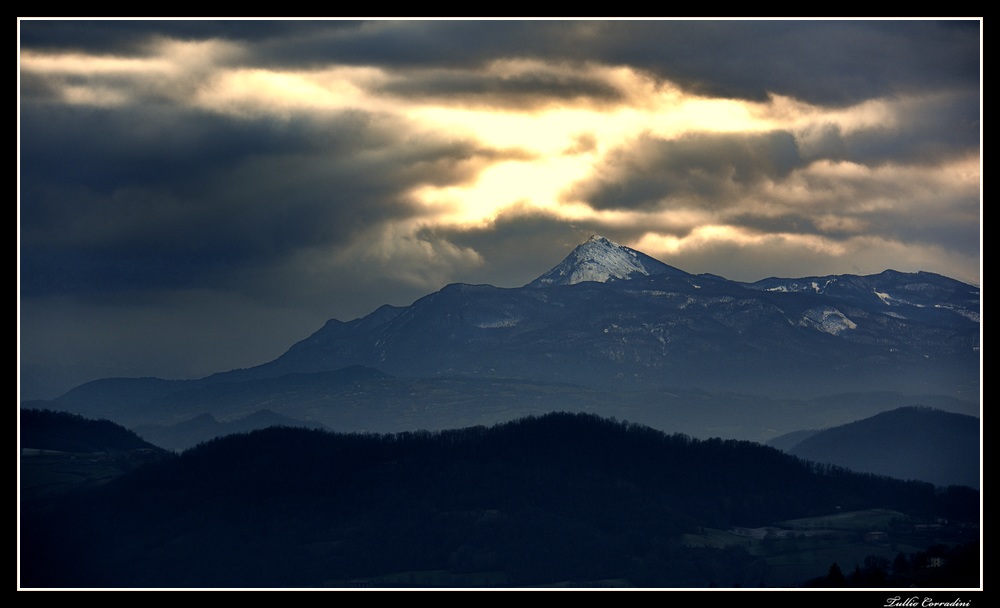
[600, 259]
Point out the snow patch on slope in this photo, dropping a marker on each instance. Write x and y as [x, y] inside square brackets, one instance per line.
[886, 298]
[494, 323]
[889, 300]
[972, 315]
[799, 285]
[827, 319]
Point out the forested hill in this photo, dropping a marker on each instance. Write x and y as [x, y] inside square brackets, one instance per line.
[48, 430]
[563, 497]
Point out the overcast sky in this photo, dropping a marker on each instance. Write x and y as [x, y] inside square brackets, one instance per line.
[196, 196]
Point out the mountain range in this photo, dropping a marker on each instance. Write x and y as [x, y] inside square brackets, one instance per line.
[611, 316]
[612, 331]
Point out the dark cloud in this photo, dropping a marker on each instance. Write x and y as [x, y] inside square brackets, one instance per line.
[929, 131]
[313, 43]
[824, 62]
[923, 131]
[949, 225]
[713, 170]
[132, 37]
[522, 243]
[139, 198]
[416, 44]
[528, 90]
[173, 242]
[780, 257]
[789, 223]
[517, 246]
[845, 217]
[822, 142]
[95, 36]
[707, 169]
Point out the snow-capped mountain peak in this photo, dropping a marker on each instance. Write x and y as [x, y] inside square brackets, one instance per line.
[600, 259]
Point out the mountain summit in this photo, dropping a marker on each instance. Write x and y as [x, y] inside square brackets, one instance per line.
[601, 260]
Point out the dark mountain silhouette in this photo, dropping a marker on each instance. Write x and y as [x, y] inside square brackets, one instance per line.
[906, 443]
[564, 499]
[60, 431]
[789, 440]
[204, 427]
[62, 452]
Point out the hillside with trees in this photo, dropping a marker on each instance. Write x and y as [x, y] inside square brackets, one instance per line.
[563, 499]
